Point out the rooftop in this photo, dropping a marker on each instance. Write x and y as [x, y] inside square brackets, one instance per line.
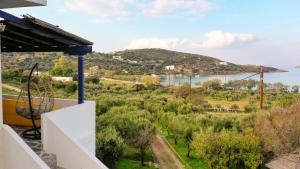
[21, 3]
[30, 34]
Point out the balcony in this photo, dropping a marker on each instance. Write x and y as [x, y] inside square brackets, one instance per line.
[21, 3]
[68, 137]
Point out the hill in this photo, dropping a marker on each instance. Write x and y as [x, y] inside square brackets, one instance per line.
[298, 66]
[142, 61]
[154, 61]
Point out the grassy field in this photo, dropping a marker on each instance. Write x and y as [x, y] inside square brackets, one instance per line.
[226, 104]
[125, 163]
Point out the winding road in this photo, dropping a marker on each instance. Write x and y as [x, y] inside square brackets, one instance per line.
[163, 154]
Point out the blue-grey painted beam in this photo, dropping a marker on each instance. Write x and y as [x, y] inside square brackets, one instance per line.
[35, 29]
[80, 79]
[71, 50]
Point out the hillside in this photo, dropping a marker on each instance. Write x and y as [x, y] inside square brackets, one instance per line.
[154, 61]
[143, 61]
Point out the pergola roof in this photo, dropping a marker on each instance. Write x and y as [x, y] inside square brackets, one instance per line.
[29, 34]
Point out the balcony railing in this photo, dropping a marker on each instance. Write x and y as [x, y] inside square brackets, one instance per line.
[68, 131]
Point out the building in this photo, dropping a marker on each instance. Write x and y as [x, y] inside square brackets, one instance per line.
[287, 161]
[62, 79]
[223, 63]
[68, 131]
[170, 67]
[117, 57]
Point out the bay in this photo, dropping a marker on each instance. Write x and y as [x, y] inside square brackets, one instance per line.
[290, 78]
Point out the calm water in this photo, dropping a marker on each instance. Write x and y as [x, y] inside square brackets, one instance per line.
[288, 78]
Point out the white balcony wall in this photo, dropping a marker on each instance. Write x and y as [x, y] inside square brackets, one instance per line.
[69, 133]
[15, 153]
[1, 148]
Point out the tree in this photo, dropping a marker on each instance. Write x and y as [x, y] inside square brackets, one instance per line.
[133, 126]
[150, 81]
[295, 89]
[182, 91]
[109, 146]
[251, 84]
[144, 141]
[188, 136]
[229, 150]
[214, 84]
[177, 129]
[62, 67]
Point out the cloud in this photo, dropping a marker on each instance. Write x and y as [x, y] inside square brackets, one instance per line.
[108, 10]
[214, 39]
[220, 39]
[169, 43]
[102, 9]
[186, 7]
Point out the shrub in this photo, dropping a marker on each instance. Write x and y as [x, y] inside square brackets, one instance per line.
[250, 108]
[105, 104]
[279, 130]
[70, 87]
[196, 99]
[235, 107]
[150, 81]
[229, 150]
[182, 91]
[93, 80]
[214, 84]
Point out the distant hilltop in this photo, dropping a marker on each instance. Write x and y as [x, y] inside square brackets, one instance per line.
[160, 61]
[140, 62]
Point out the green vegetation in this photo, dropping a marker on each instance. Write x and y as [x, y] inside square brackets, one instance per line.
[212, 126]
[130, 62]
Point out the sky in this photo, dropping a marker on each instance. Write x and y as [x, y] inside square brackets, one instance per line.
[261, 32]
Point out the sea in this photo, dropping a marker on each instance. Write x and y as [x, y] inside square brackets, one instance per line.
[290, 78]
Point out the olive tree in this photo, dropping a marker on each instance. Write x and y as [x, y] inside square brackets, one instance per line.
[229, 150]
[109, 146]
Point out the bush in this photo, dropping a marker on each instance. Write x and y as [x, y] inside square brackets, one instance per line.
[196, 99]
[104, 105]
[93, 80]
[70, 87]
[235, 107]
[109, 146]
[182, 91]
[250, 108]
[229, 150]
[279, 130]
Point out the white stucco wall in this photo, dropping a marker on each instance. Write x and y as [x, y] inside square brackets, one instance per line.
[79, 121]
[1, 110]
[69, 133]
[1, 149]
[16, 154]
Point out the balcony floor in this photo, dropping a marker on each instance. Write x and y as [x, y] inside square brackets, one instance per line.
[35, 145]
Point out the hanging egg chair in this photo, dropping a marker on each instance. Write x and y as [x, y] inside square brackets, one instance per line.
[36, 97]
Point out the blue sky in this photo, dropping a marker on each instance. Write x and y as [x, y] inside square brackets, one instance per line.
[241, 31]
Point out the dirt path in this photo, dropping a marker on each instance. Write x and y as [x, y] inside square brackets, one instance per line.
[164, 155]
